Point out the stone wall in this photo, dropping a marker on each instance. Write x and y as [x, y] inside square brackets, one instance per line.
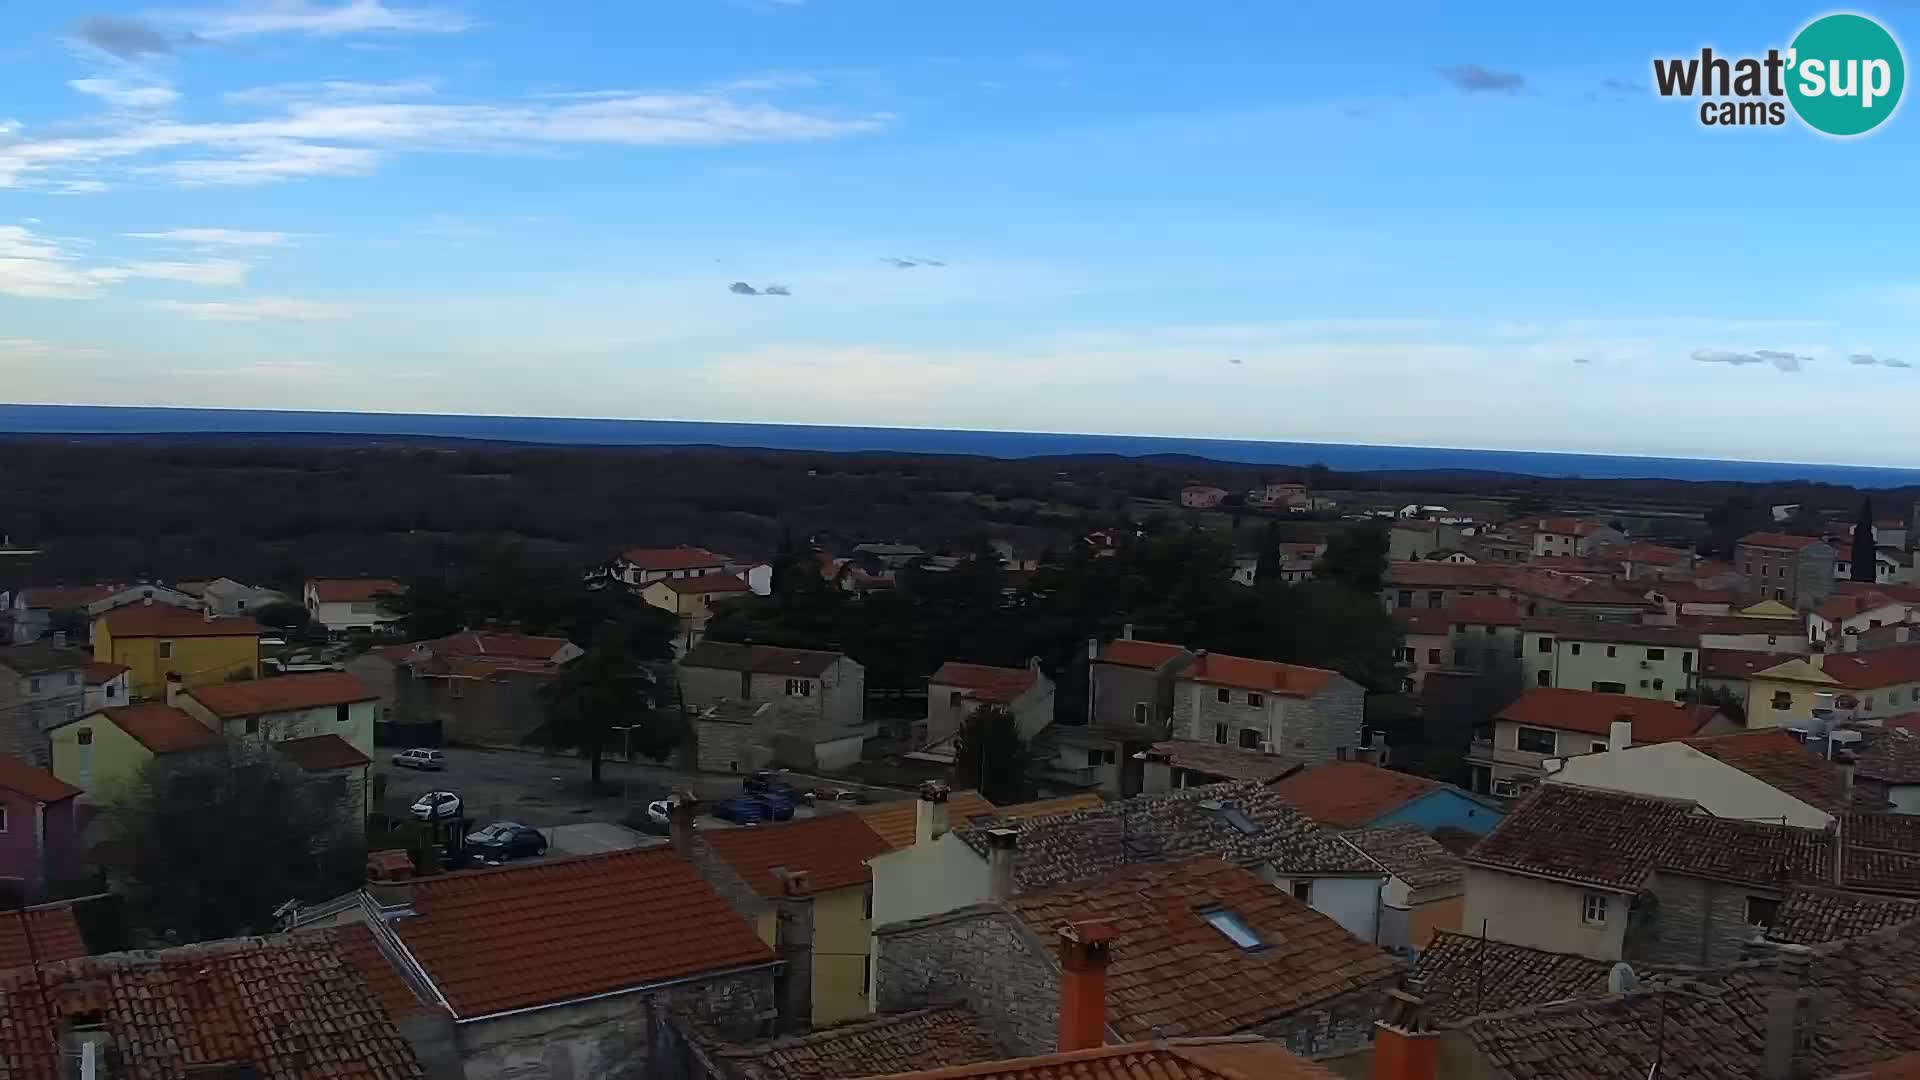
[500, 711]
[1690, 921]
[1332, 1027]
[981, 956]
[1116, 689]
[729, 746]
[1312, 729]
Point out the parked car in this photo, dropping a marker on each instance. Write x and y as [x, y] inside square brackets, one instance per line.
[437, 806]
[421, 758]
[778, 807]
[762, 780]
[743, 810]
[660, 812]
[505, 840]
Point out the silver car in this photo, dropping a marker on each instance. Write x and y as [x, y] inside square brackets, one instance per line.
[437, 806]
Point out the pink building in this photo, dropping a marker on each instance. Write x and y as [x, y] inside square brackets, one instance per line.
[37, 827]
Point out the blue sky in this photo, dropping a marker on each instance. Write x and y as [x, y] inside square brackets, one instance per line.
[1389, 224]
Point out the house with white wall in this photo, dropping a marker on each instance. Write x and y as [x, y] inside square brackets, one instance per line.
[352, 605]
[958, 690]
[1765, 775]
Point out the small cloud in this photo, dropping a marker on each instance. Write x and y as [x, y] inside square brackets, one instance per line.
[214, 237]
[128, 39]
[1235, 361]
[1895, 362]
[1474, 79]
[126, 96]
[1582, 360]
[1782, 361]
[252, 310]
[741, 288]
[1863, 359]
[931, 262]
[1723, 356]
[311, 19]
[776, 290]
[908, 264]
[1622, 86]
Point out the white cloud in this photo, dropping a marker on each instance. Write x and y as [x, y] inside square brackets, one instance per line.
[215, 237]
[127, 96]
[253, 310]
[318, 19]
[37, 267]
[338, 90]
[33, 350]
[268, 162]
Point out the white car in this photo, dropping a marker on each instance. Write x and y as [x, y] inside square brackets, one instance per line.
[437, 806]
[660, 812]
[420, 758]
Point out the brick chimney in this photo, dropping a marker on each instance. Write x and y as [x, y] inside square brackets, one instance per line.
[681, 808]
[174, 688]
[1620, 733]
[1405, 1047]
[1001, 844]
[1085, 948]
[930, 813]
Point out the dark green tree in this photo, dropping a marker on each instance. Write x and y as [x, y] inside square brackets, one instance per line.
[990, 757]
[1356, 557]
[1866, 555]
[207, 845]
[282, 615]
[1267, 570]
[607, 698]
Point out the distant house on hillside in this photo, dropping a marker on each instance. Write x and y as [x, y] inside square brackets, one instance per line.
[693, 601]
[958, 690]
[352, 605]
[1202, 496]
[644, 566]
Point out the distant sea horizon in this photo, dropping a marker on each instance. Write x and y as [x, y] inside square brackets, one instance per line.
[133, 422]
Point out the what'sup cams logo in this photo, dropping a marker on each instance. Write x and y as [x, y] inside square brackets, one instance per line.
[1842, 75]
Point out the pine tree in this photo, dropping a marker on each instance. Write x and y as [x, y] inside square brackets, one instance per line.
[1865, 554]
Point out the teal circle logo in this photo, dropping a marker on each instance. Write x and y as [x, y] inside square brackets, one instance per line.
[1845, 74]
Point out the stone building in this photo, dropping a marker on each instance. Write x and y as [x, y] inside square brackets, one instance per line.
[1309, 714]
[1192, 948]
[793, 708]
[42, 685]
[1129, 708]
[479, 687]
[1795, 570]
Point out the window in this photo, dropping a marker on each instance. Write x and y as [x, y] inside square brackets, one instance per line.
[1233, 927]
[1256, 700]
[1574, 648]
[1140, 712]
[1867, 704]
[1612, 651]
[1761, 910]
[1405, 599]
[1101, 757]
[1250, 738]
[1659, 684]
[1656, 654]
[1780, 594]
[253, 725]
[3, 819]
[1220, 734]
[799, 687]
[84, 736]
[1486, 630]
[1597, 748]
[1433, 657]
[166, 650]
[1609, 688]
[1543, 678]
[953, 699]
[33, 686]
[1686, 658]
[1436, 598]
[1916, 693]
[868, 911]
[1534, 740]
[1593, 909]
[1782, 700]
[340, 713]
[72, 678]
[1303, 891]
[1223, 695]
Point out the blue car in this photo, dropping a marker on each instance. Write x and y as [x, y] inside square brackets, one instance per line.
[778, 807]
[744, 810]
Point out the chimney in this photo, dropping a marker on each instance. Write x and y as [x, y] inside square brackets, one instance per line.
[930, 813]
[1786, 1026]
[794, 883]
[1817, 658]
[174, 687]
[1093, 649]
[59, 639]
[1405, 1047]
[1845, 758]
[1902, 632]
[1126, 632]
[146, 601]
[681, 808]
[1085, 948]
[1620, 733]
[1001, 844]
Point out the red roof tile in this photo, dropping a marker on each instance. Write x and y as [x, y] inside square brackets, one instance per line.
[284, 693]
[100, 674]
[1172, 974]
[487, 643]
[673, 558]
[1908, 593]
[323, 753]
[1690, 592]
[1786, 541]
[1289, 680]
[1484, 610]
[167, 621]
[1429, 622]
[832, 849]
[1847, 605]
[1224, 762]
[940, 1037]
[54, 936]
[1243, 1058]
[67, 597]
[1652, 554]
[356, 944]
[895, 820]
[1738, 663]
[1594, 713]
[1131, 652]
[1872, 669]
[761, 659]
[706, 584]
[560, 929]
[354, 590]
[993, 685]
[1423, 574]
[36, 784]
[1775, 757]
[162, 729]
[1351, 794]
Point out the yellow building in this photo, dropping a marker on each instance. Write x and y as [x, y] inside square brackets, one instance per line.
[103, 750]
[817, 866]
[154, 641]
[692, 600]
[1811, 690]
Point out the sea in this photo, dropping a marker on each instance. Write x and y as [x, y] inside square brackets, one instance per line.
[134, 422]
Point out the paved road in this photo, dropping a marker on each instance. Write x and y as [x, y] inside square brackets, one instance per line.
[541, 791]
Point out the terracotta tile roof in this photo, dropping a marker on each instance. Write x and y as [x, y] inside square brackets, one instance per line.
[1575, 564]
[36, 784]
[760, 659]
[1610, 631]
[1593, 713]
[559, 929]
[706, 584]
[323, 753]
[67, 597]
[490, 643]
[1173, 974]
[1351, 794]
[1876, 668]
[1484, 610]
[42, 657]
[993, 685]
[1567, 526]
[1408, 853]
[1691, 592]
[1615, 841]
[1433, 622]
[1244, 1058]
[293, 1008]
[673, 558]
[100, 674]
[1847, 605]
[833, 849]
[1287, 680]
[1785, 541]
[934, 1038]
[1224, 762]
[1737, 663]
[1788, 630]
[1039, 808]
[167, 621]
[55, 936]
[1880, 853]
[1461, 975]
[1641, 551]
[1890, 754]
[162, 729]
[1812, 916]
[1906, 593]
[1130, 652]
[894, 820]
[354, 590]
[1242, 821]
[1422, 574]
[356, 944]
[284, 693]
[1776, 758]
[1905, 1067]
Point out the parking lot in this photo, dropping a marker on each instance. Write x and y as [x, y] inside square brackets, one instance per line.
[545, 791]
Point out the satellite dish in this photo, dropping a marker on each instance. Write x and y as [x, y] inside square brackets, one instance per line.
[1622, 980]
